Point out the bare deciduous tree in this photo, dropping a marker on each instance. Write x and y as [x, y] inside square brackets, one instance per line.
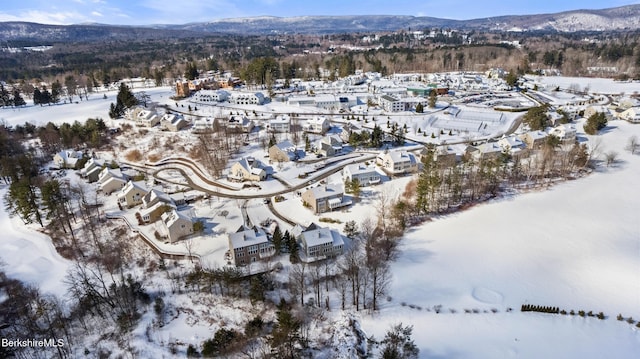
[633, 144]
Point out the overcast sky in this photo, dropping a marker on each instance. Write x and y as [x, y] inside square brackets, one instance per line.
[144, 12]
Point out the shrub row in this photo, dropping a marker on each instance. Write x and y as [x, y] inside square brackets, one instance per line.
[538, 308]
[556, 310]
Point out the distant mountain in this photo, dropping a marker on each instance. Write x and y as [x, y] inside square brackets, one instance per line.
[27, 31]
[620, 18]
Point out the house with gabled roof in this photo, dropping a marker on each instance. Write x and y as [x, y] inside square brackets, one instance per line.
[488, 151]
[176, 225]
[249, 245]
[245, 98]
[512, 145]
[349, 128]
[91, 169]
[319, 242]
[283, 152]
[203, 125]
[534, 139]
[318, 124]
[147, 118]
[594, 109]
[154, 204]
[240, 123]
[67, 158]
[366, 175]
[325, 198]
[247, 169]
[397, 162]
[111, 180]
[173, 122]
[132, 193]
[328, 146]
[566, 132]
[631, 114]
[280, 124]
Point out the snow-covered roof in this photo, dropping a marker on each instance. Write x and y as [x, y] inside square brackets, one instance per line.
[320, 236]
[173, 217]
[156, 194]
[246, 236]
[327, 191]
[131, 185]
[360, 169]
[400, 156]
[286, 146]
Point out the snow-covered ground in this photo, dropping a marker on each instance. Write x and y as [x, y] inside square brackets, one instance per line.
[574, 246]
[29, 255]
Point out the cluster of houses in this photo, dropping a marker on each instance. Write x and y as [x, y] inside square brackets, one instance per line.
[252, 244]
[153, 205]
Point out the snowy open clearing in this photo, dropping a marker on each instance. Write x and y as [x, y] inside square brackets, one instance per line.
[574, 246]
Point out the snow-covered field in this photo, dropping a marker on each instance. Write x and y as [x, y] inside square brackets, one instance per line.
[575, 246]
[29, 255]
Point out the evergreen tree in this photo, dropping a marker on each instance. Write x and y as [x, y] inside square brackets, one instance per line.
[17, 98]
[277, 240]
[285, 338]
[433, 99]
[595, 123]
[56, 92]
[37, 96]
[419, 108]
[191, 72]
[124, 100]
[398, 343]
[376, 137]
[536, 118]
[272, 140]
[5, 98]
[511, 79]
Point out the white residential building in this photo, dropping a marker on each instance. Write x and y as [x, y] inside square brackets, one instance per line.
[319, 124]
[203, 125]
[246, 98]
[511, 144]
[280, 124]
[208, 96]
[397, 162]
[391, 104]
[366, 175]
[146, 118]
[565, 132]
[632, 115]
[67, 158]
[176, 225]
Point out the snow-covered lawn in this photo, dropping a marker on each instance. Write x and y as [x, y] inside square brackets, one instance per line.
[574, 246]
[29, 255]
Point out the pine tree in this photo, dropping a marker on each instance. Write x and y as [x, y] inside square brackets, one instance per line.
[398, 343]
[5, 99]
[124, 100]
[277, 240]
[285, 338]
[17, 98]
[419, 108]
[56, 92]
[433, 99]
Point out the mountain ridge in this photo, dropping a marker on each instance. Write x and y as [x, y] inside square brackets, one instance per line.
[610, 19]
